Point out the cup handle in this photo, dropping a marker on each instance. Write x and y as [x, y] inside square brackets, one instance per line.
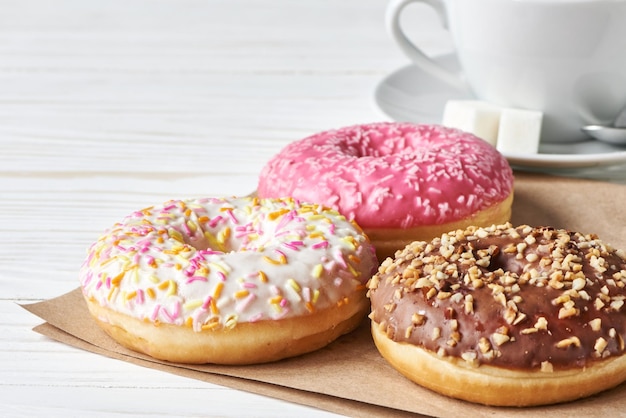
[423, 61]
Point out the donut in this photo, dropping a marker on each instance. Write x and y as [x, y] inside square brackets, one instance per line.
[400, 182]
[238, 280]
[503, 315]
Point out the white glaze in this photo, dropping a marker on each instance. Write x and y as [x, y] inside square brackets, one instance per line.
[217, 262]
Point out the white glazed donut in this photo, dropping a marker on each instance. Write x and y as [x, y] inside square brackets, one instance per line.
[229, 280]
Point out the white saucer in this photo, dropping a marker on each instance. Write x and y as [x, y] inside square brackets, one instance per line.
[410, 95]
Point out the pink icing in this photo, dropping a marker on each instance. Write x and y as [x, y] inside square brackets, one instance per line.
[391, 174]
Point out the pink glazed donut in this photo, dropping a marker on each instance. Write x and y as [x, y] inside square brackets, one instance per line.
[400, 182]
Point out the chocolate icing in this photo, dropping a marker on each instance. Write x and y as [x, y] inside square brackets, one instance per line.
[538, 299]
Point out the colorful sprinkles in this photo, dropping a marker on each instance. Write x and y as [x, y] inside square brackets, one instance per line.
[390, 174]
[213, 263]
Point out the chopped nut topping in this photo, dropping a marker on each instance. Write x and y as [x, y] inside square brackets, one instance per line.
[456, 298]
[443, 295]
[568, 342]
[500, 298]
[410, 272]
[547, 367]
[490, 355]
[471, 357]
[418, 319]
[616, 305]
[541, 323]
[389, 331]
[519, 318]
[600, 345]
[579, 284]
[456, 336]
[469, 304]
[483, 262]
[390, 307]
[422, 282]
[484, 345]
[568, 310]
[595, 324]
[556, 284]
[532, 257]
[509, 249]
[561, 276]
[510, 314]
[499, 339]
[454, 324]
[436, 333]
[477, 283]
[561, 299]
[408, 332]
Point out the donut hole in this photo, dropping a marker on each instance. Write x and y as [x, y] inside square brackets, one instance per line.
[219, 242]
[373, 144]
[506, 262]
[198, 242]
[357, 150]
[386, 150]
[224, 240]
[509, 264]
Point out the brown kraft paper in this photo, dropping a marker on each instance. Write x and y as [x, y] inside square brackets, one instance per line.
[349, 376]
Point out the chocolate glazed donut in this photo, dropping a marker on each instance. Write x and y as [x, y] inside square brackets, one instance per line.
[504, 316]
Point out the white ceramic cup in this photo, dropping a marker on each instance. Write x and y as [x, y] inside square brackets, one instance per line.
[566, 58]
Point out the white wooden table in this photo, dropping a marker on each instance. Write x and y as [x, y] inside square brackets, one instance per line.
[107, 107]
